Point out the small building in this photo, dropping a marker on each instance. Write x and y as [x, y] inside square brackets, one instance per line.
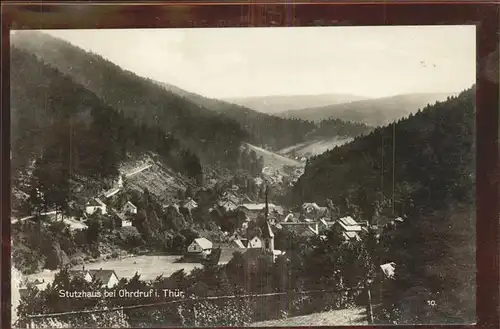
[82, 274]
[129, 208]
[255, 242]
[349, 228]
[126, 223]
[258, 207]
[190, 204]
[389, 270]
[121, 219]
[200, 247]
[108, 278]
[237, 243]
[228, 205]
[95, 205]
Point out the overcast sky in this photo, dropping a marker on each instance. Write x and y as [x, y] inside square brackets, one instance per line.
[234, 62]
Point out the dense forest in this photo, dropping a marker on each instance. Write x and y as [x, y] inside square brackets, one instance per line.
[335, 127]
[77, 135]
[433, 190]
[136, 98]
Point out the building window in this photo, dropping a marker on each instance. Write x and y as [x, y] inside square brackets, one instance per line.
[267, 244]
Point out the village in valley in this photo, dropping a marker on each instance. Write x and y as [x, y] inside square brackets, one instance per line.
[253, 237]
[137, 203]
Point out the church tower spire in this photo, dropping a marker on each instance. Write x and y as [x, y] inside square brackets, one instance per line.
[267, 204]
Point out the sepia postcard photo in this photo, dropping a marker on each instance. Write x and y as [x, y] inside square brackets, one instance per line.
[249, 177]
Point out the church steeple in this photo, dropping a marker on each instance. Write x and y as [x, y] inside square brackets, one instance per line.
[268, 234]
[267, 204]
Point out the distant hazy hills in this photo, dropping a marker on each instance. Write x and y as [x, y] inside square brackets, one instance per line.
[374, 112]
[273, 131]
[277, 104]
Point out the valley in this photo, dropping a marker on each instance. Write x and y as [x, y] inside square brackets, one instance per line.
[263, 211]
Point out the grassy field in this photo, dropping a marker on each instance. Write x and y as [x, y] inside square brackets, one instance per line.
[274, 160]
[353, 316]
[148, 266]
[315, 147]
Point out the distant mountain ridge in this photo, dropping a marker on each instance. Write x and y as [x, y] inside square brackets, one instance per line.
[267, 129]
[196, 121]
[374, 112]
[278, 103]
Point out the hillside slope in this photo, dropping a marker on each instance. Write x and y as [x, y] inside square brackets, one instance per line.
[374, 112]
[63, 136]
[277, 104]
[433, 190]
[271, 131]
[262, 129]
[138, 98]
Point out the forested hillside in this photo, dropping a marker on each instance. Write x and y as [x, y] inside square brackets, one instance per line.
[139, 99]
[275, 132]
[434, 190]
[71, 133]
[262, 129]
[194, 119]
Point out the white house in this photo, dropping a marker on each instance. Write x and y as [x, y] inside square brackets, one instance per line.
[228, 205]
[83, 274]
[129, 208]
[108, 278]
[126, 223]
[190, 204]
[94, 205]
[389, 269]
[255, 242]
[200, 246]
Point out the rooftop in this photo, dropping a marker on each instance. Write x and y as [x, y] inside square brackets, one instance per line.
[204, 243]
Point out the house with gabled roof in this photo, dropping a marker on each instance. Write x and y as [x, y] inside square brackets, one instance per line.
[108, 278]
[228, 205]
[190, 204]
[200, 247]
[238, 243]
[82, 274]
[129, 208]
[95, 205]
